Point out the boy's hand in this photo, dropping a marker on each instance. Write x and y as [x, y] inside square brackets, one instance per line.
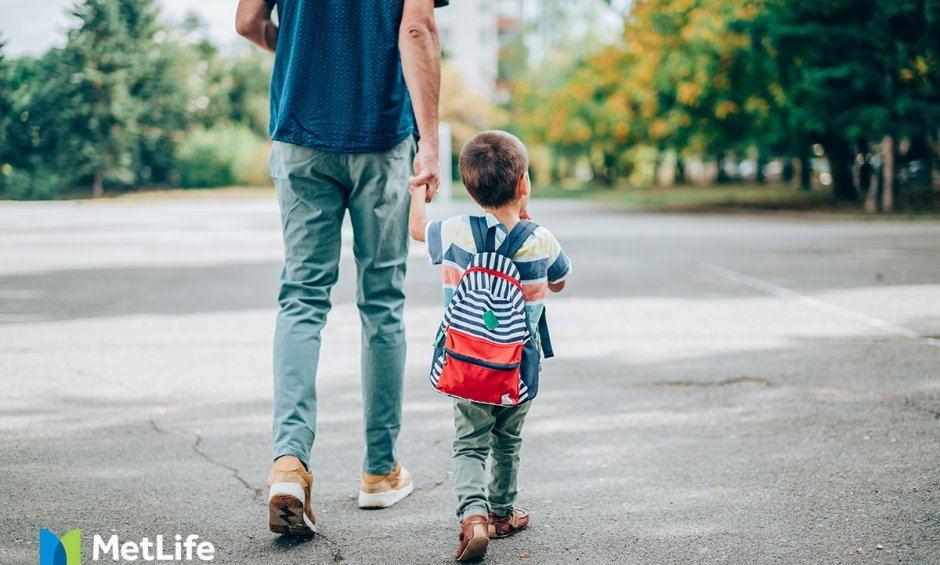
[524, 215]
[417, 215]
[420, 191]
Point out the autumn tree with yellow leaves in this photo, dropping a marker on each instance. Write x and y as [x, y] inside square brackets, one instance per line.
[768, 77]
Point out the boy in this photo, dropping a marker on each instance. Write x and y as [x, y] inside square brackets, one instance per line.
[494, 168]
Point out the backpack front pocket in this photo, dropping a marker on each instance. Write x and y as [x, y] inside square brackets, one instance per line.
[480, 370]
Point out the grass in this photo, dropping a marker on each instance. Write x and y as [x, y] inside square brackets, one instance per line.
[913, 202]
[690, 197]
[919, 202]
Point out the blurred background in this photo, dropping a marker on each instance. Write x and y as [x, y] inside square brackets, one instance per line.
[675, 104]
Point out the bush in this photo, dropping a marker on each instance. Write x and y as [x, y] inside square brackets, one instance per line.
[223, 156]
[21, 184]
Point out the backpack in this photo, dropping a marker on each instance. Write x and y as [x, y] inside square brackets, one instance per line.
[485, 349]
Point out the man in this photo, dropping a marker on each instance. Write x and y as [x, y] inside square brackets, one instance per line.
[351, 81]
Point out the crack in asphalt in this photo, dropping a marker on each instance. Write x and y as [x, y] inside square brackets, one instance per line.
[703, 384]
[257, 491]
[440, 443]
[921, 406]
[335, 548]
[723, 382]
[436, 484]
[287, 542]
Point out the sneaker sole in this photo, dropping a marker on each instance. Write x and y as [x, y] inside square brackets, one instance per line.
[476, 549]
[286, 511]
[384, 499]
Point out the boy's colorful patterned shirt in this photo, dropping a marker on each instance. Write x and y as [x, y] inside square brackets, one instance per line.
[540, 260]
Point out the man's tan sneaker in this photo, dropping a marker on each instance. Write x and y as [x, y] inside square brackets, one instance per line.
[382, 491]
[289, 498]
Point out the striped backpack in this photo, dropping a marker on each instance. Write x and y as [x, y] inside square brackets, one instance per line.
[485, 349]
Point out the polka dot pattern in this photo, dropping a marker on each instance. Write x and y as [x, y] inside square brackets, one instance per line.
[337, 83]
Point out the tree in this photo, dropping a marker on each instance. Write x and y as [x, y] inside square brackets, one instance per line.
[689, 72]
[909, 60]
[114, 107]
[771, 77]
[33, 135]
[163, 101]
[854, 70]
[111, 57]
[6, 115]
[465, 111]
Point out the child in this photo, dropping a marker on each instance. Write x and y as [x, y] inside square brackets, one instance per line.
[494, 168]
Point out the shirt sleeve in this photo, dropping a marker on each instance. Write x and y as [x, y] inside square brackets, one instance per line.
[559, 265]
[434, 238]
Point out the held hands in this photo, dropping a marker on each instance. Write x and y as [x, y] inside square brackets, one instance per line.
[427, 175]
[417, 214]
[419, 193]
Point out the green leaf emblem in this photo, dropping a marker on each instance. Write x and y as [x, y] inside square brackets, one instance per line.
[489, 318]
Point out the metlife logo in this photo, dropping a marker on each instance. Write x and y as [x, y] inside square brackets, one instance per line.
[67, 550]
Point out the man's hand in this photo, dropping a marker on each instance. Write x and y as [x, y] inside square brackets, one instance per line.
[427, 171]
[253, 22]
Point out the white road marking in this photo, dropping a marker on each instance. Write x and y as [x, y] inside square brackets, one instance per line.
[810, 302]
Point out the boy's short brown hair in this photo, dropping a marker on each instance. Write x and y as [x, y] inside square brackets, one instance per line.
[491, 164]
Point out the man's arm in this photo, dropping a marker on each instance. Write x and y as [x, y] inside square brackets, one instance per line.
[421, 64]
[253, 22]
[418, 215]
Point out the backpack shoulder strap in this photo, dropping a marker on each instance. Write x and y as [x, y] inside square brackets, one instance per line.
[517, 237]
[544, 336]
[483, 236]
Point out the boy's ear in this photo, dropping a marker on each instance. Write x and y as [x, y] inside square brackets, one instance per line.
[523, 188]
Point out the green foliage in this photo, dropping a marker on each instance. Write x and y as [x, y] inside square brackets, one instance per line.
[6, 103]
[26, 128]
[763, 77]
[112, 108]
[852, 70]
[37, 183]
[465, 111]
[110, 56]
[34, 136]
[130, 101]
[677, 81]
[245, 82]
[223, 156]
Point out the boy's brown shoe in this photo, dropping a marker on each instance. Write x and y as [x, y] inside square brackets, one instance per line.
[382, 491]
[289, 498]
[473, 538]
[503, 526]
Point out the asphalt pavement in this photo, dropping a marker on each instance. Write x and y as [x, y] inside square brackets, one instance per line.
[741, 389]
